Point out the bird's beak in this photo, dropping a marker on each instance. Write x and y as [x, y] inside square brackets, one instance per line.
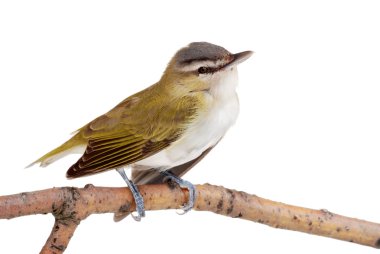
[239, 58]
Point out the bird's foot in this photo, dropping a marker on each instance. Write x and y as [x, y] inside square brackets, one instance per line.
[136, 195]
[185, 185]
[140, 210]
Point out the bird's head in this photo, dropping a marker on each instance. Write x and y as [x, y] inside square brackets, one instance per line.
[202, 66]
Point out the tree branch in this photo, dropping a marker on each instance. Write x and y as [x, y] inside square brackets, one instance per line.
[71, 205]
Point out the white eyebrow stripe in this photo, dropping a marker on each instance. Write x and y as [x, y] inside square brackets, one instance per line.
[196, 64]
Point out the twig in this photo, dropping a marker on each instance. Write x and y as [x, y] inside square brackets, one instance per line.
[71, 205]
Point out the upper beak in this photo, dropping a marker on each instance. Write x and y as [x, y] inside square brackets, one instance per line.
[239, 58]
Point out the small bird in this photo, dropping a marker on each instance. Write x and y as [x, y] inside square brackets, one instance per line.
[162, 131]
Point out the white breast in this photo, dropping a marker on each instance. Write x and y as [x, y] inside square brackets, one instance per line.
[209, 127]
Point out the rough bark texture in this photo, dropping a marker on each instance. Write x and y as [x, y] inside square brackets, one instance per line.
[71, 205]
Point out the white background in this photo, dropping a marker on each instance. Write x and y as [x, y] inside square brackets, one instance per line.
[308, 133]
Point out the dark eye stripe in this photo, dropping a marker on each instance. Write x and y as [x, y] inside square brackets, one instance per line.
[205, 70]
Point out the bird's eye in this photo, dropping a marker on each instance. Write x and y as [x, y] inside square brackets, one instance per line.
[202, 70]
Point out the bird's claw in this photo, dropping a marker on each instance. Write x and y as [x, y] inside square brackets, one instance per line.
[185, 185]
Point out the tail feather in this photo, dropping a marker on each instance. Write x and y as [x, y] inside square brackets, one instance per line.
[74, 145]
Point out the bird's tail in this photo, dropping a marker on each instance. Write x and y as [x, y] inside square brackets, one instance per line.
[74, 145]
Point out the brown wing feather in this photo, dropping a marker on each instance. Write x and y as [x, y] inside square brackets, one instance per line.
[92, 162]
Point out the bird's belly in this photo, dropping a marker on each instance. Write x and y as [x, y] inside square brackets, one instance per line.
[205, 132]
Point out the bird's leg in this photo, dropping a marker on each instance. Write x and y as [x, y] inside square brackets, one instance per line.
[183, 184]
[136, 195]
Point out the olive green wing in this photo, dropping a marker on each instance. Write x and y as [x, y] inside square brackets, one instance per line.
[135, 129]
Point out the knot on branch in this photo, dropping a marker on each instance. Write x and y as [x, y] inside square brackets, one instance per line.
[65, 209]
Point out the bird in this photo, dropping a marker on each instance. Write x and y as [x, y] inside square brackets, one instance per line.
[161, 132]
